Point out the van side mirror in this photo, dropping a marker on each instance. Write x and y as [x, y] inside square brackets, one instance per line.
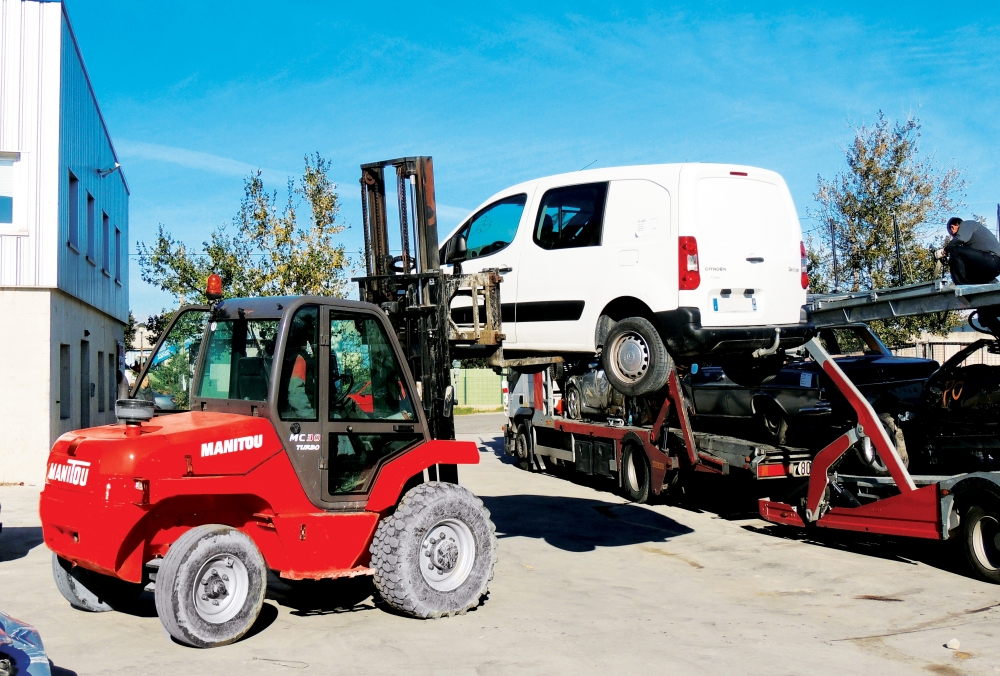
[458, 249]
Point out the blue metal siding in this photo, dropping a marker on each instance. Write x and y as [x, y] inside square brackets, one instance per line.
[85, 149]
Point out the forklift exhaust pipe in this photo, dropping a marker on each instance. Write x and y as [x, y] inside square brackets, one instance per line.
[763, 352]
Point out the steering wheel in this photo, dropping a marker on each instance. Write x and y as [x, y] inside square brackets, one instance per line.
[342, 378]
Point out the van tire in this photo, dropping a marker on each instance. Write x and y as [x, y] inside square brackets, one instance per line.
[634, 358]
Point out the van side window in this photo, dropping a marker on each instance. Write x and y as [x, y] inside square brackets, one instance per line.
[493, 228]
[571, 217]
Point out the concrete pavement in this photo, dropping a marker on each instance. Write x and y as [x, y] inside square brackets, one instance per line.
[585, 583]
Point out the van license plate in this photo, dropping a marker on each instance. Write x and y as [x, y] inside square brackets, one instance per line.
[734, 304]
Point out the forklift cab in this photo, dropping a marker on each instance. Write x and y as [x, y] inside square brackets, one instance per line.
[328, 373]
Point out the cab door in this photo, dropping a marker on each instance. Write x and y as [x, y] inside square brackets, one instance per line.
[368, 406]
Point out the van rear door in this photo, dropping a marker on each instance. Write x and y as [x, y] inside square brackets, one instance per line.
[748, 238]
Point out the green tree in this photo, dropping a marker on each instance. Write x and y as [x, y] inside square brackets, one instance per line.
[266, 250]
[886, 176]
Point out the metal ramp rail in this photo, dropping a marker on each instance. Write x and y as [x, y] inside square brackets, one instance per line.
[899, 301]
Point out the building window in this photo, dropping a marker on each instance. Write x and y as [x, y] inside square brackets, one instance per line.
[64, 383]
[73, 212]
[6, 190]
[106, 242]
[91, 228]
[112, 381]
[118, 255]
[100, 382]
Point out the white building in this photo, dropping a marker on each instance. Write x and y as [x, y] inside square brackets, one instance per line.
[63, 242]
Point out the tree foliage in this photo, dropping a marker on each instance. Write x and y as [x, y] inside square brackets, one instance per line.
[886, 176]
[266, 250]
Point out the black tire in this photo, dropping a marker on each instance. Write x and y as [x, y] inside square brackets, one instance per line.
[875, 465]
[748, 371]
[635, 359]
[460, 564]
[90, 591]
[573, 403]
[225, 564]
[773, 421]
[522, 448]
[635, 474]
[982, 541]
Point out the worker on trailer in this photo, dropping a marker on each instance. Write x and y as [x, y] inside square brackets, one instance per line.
[973, 255]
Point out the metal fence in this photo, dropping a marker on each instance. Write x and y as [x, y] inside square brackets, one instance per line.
[942, 352]
[477, 387]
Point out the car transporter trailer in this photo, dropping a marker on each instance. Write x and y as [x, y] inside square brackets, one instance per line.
[646, 458]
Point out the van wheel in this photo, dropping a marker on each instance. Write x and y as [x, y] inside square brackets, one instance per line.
[870, 459]
[573, 402]
[634, 358]
[90, 591]
[434, 555]
[982, 541]
[635, 474]
[210, 587]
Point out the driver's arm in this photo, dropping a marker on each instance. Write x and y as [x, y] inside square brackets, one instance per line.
[298, 398]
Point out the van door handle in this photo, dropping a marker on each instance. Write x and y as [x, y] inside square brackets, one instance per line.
[503, 268]
[756, 259]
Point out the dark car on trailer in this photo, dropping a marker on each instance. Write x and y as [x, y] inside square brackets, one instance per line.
[959, 416]
[800, 403]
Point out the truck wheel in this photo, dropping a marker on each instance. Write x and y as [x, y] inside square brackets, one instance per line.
[982, 542]
[210, 587]
[522, 448]
[434, 555]
[635, 474]
[90, 591]
[573, 402]
[634, 358]
[870, 460]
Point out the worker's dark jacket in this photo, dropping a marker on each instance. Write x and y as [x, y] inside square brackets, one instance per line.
[975, 236]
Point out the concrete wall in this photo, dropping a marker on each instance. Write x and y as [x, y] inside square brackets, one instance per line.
[477, 387]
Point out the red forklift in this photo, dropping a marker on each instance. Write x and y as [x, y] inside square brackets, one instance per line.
[246, 446]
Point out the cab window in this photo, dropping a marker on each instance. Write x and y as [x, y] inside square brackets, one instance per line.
[298, 391]
[849, 341]
[238, 356]
[170, 379]
[571, 217]
[366, 381]
[493, 228]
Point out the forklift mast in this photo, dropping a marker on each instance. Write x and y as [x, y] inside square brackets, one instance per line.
[416, 294]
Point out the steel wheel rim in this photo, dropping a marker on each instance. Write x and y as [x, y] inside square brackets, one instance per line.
[631, 474]
[630, 357]
[873, 459]
[447, 554]
[986, 542]
[573, 402]
[221, 588]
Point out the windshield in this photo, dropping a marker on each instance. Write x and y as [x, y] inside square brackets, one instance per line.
[168, 382]
[238, 359]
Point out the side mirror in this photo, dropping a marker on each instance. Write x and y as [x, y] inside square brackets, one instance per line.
[458, 249]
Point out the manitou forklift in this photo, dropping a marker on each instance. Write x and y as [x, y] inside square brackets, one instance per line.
[307, 436]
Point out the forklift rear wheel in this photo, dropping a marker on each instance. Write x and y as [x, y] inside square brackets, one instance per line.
[434, 555]
[573, 402]
[90, 591]
[634, 358]
[210, 587]
[982, 542]
[635, 474]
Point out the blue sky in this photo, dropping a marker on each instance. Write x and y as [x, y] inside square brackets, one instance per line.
[198, 94]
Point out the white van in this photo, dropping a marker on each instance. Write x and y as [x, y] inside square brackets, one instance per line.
[700, 259]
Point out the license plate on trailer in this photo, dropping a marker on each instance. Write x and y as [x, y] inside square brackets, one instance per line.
[799, 468]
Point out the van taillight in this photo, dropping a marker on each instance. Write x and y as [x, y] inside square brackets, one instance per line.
[687, 263]
[805, 264]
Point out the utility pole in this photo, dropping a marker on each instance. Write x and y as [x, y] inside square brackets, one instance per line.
[833, 249]
[899, 260]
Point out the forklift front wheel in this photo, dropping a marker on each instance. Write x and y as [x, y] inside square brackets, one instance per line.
[434, 555]
[90, 591]
[210, 587]
[982, 542]
[635, 474]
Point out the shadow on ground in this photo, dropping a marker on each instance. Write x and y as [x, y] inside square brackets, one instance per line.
[322, 597]
[17, 541]
[579, 525]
